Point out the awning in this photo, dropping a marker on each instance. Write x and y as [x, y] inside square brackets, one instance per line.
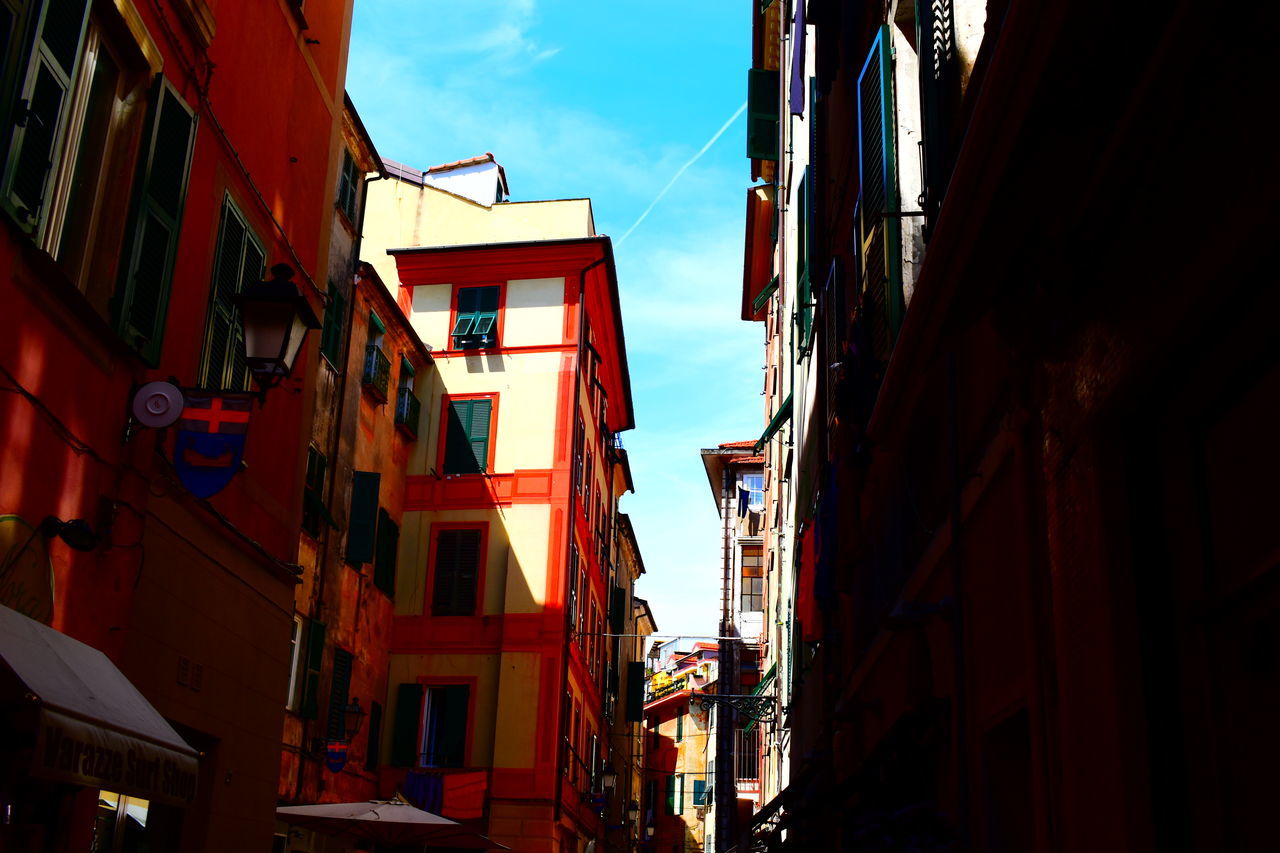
[93, 726]
[780, 417]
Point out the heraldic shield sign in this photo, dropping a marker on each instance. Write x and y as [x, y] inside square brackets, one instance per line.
[210, 440]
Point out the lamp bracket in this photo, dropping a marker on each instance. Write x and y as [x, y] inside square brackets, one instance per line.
[756, 707]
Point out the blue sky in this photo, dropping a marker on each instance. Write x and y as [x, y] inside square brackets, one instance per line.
[608, 100]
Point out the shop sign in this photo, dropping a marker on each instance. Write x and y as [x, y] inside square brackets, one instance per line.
[76, 751]
[671, 686]
[26, 575]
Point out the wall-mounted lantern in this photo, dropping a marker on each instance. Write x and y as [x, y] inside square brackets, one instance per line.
[276, 318]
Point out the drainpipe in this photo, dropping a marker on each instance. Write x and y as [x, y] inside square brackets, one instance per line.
[573, 506]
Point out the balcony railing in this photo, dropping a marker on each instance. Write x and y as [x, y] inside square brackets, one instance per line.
[377, 371]
[407, 411]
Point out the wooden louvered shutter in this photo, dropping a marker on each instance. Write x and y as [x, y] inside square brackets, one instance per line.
[408, 724]
[762, 114]
[374, 745]
[334, 320]
[362, 521]
[310, 705]
[458, 457]
[456, 573]
[451, 724]
[143, 294]
[384, 566]
[339, 687]
[38, 113]
[804, 274]
[635, 691]
[879, 234]
[935, 34]
[479, 433]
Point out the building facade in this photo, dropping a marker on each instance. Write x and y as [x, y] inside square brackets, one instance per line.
[1014, 428]
[135, 193]
[501, 688]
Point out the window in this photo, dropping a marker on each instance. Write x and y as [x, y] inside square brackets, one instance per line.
[377, 367]
[754, 486]
[238, 259]
[309, 706]
[348, 182]
[374, 744]
[385, 554]
[476, 326]
[340, 686]
[444, 726]
[573, 586]
[470, 422]
[456, 572]
[762, 114]
[408, 409]
[313, 508]
[752, 578]
[335, 320]
[295, 657]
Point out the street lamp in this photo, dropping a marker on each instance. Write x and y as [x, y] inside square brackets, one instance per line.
[633, 811]
[352, 717]
[608, 779]
[276, 319]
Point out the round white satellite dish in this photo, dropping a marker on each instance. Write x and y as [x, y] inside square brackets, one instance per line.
[157, 404]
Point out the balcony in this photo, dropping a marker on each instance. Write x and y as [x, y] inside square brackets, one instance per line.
[407, 411]
[377, 372]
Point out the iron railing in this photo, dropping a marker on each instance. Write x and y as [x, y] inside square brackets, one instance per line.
[377, 371]
[408, 410]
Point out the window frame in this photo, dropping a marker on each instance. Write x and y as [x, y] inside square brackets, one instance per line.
[295, 660]
[481, 568]
[442, 432]
[230, 206]
[427, 683]
[499, 320]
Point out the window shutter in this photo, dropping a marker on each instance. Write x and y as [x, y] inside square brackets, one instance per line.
[878, 235]
[617, 608]
[339, 686]
[456, 571]
[374, 744]
[479, 436]
[38, 116]
[408, 722]
[313, 508]
[762, 114]
[452, 744]
[804, 272]
[635, 691]
[671, 794]
[362, 522]
[238, 258]
[679, 726]
[699, 792]
[152, 244]
[384, 567]
[334, 319]
[935, 32]
[310, 705]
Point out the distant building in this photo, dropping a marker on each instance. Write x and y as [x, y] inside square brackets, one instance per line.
[503, 682]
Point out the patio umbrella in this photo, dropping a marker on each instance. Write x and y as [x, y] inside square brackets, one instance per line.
[386, 822]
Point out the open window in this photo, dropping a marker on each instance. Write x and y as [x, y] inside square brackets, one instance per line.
[476, 323]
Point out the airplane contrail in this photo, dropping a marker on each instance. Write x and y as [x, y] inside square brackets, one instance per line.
[676, 176]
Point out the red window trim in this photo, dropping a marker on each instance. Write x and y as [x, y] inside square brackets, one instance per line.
[481, 569]
[471, 682]
[453, 315]
[442, 430]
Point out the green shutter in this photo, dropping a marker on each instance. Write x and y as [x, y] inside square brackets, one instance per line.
[310, 705]
[451, 724]
[374, 744]
[879, 236]
[38, 116]
[635, 691]
[466, 449]
[679, 726]
[804, 267]
[617, 609]
[362, 521]
[334, 320]
[239, 258]
[313, 508]
[700, 792]
[762, 114]
[408, 722]
[142, 297]
[671, 794]
[339, 687]
[384, 567]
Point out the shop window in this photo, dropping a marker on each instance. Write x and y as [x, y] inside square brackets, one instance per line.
[458, 554]
[468, 436]
[238, 260]
[125, 824]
